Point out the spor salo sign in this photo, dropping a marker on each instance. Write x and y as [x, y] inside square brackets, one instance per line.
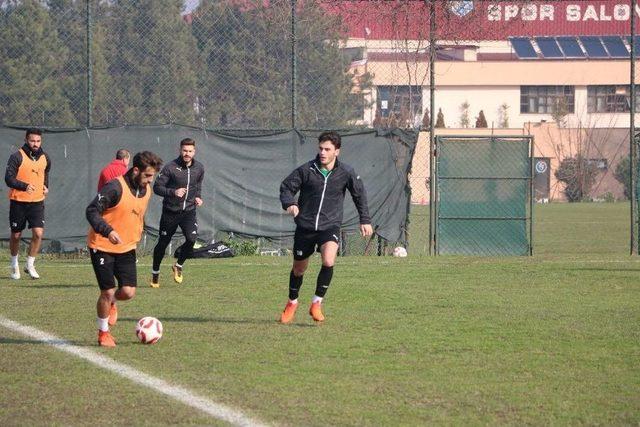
[556, 11]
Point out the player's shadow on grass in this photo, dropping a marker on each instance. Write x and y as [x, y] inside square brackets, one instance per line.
[228, 320]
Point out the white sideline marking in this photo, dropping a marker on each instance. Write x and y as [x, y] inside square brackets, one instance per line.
[216, 410]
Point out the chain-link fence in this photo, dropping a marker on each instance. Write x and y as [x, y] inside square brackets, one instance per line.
[219, 65]
[558, 71]
[483, 194]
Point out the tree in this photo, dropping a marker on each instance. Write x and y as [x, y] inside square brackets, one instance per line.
[623, 176]
[503, 115]
[377, 120]
[152, 58]
[69, 19]
[464, 114]
[578, 175]
[559, 111]
[426, 120]
[32, 68]
[440, 119]
[481, 121]
[243, 87]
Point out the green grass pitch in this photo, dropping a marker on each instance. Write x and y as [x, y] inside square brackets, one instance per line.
[548, 339]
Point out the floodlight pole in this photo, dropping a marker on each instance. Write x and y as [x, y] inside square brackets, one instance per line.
[632, 139]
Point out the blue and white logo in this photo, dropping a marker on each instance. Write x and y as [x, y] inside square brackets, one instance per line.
[541, 166]
[461, 7]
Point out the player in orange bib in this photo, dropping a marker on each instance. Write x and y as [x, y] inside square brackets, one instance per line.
[116, 216]
[27, 177]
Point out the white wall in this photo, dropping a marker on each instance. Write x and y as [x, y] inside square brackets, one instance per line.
[486, 98]
[490, 98]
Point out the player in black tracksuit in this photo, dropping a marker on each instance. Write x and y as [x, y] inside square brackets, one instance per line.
[180, 183]
[322, 183]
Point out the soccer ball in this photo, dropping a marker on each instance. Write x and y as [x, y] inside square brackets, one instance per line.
[399, 252]
[149, 330]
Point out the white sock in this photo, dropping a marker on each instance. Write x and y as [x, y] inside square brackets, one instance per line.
[178, 265]
[14, 261]
[155, 272]
[316, 299]
[30, 261]
[103, 324]
[293, 301]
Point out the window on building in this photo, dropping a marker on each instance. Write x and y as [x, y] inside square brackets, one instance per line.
[547, 99]
[610, 99]
[404, 103]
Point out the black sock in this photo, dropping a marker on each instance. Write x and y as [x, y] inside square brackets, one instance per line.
[324, 279]
[295, 283]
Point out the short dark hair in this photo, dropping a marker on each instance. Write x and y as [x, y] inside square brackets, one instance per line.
[146, 159]
[187, 141]
[122, 154]
[332, 136]
[33, 131]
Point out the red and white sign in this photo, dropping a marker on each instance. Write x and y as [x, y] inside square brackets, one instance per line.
[485, 19]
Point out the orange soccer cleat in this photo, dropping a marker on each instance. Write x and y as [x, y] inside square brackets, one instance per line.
[316, 312]
[105, 339]
[288, 313]
[113, 314]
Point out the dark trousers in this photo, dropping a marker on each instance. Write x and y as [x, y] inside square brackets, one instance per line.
[169, 223]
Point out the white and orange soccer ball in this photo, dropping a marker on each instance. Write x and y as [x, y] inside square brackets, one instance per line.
[149, 330]
[399, 252]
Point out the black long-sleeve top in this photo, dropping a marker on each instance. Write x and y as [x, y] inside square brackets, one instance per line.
[176, 174]
[321, 199]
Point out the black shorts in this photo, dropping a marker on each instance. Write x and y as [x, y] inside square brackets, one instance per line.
[109, 267]
[187, 221]
[21, 212]
[305, 242]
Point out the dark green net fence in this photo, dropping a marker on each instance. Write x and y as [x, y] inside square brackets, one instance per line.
[483, 188]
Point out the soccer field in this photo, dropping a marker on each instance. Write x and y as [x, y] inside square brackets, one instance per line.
[548, 339]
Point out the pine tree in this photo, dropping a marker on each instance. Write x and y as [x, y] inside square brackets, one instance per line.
[426, 120]
[31, 68]
[481, 121]
[252, 87]
[152, 58]
[69, 19]
[440, 119]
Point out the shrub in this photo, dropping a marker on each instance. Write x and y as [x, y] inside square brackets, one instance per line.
[578, 175]
[243, 247]
[623, 176]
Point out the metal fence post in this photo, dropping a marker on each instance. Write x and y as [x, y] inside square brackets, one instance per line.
[632, 151]
[89, 66]
[294, 66]
[432, 93]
